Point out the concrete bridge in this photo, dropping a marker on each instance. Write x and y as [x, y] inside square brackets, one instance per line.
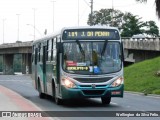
[135, 50]
[7, 51]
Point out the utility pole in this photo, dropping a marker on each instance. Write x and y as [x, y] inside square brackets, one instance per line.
[112, 12]
[34, 23]
[53, 14]
[3, 29]
[91, 13]
[78, 12]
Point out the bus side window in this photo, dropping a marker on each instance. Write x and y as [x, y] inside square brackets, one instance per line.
[39, 52]
[36, 55]
[54, 49]
[33, 53]
[47, 50]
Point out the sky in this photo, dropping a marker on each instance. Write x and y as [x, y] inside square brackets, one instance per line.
[56, 14]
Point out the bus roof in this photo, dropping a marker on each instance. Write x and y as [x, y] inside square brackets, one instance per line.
[90, 27]
[46, 37]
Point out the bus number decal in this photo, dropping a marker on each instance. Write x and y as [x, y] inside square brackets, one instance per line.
[80, 68]
[72, 34]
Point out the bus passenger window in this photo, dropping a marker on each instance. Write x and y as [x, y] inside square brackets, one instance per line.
[47, 50]
[54, 49]
[39, 52]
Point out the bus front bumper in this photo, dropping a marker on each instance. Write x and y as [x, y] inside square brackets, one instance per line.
[68, 93]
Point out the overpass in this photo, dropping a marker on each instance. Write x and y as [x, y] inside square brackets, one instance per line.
[135, 50]
[7, 51]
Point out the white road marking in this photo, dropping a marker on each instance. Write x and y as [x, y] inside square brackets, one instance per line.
[114, 103]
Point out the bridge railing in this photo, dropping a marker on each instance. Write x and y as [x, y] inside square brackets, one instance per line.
[152, 44]
[14, 45]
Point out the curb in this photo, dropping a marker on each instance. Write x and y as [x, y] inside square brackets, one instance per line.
[139, 93]
[23, 103]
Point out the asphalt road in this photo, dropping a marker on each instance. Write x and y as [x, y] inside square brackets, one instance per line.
[131, 102]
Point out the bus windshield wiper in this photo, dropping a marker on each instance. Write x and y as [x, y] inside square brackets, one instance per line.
[81, 49]
[104, 47]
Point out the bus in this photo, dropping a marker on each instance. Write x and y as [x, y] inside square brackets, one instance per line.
[79, 62]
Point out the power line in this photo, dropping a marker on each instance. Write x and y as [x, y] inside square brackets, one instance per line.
[86, 3]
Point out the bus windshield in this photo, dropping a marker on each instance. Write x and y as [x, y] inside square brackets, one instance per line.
[93, 57]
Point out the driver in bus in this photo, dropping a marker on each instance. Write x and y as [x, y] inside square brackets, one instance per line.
[95, 58]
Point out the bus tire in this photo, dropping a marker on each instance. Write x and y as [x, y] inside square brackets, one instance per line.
[106, 100]
[57, 100]
[41, 95]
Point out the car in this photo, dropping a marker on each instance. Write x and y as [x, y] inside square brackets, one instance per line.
[138, 37]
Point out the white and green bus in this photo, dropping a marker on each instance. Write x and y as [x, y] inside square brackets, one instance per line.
[79, 62]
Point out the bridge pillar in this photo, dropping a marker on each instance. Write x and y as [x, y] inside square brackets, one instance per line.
[26, 63]
[8, 64]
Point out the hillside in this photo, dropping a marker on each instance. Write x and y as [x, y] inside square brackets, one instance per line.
[141, 77]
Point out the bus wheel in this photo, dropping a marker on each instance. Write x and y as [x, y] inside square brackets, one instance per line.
[56, 99]
[41, 95]
[106, 100]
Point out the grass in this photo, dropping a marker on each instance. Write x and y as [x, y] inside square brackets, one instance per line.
[141, 77]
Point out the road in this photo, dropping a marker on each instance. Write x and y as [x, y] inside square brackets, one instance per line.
[22, 84]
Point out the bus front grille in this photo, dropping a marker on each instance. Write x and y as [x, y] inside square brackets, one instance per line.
[93, 80]
[93, 92]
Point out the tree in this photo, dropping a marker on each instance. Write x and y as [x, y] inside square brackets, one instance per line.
[132, 25]
[108, 17]
[127, 23]
[152, 29]
[157, 2]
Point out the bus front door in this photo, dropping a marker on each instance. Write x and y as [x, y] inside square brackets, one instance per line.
[34, 68]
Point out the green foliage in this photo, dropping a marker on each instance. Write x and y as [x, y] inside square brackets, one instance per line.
[152, 29]
[1, 63]
[108, 17]
[127, 23]
[132, 25]
[17, 63]
[140, 77]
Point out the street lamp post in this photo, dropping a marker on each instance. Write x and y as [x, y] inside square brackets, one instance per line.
[78, 12]
[3, 29]
[18, 27]
[53, 14]
[34, 17]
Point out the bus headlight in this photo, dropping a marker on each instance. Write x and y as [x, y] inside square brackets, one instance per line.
[117, 82]
[68, 83]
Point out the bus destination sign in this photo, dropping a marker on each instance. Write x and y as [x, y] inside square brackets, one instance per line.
[90, 34]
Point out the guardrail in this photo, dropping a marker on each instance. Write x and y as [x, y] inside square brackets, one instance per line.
[152, 44]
